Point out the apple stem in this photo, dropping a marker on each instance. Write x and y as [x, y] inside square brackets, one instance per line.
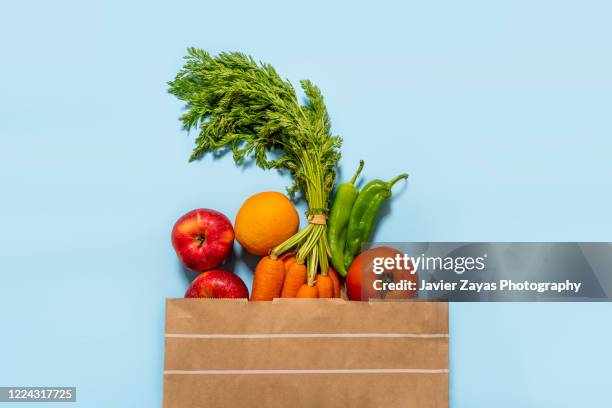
[201, 240]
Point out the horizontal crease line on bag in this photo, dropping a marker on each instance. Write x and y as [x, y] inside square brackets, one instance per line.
[306, 335]
[326, 371]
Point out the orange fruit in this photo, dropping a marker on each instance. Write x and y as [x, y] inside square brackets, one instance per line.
[264, 221]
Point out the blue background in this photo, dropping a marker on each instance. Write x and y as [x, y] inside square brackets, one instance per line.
[500, 111]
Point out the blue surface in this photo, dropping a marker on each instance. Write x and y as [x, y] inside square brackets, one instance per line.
[500, 111]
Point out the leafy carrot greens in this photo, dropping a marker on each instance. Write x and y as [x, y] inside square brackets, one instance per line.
[239, 104]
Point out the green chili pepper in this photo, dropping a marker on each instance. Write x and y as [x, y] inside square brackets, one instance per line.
[337, 224]
[364, 214]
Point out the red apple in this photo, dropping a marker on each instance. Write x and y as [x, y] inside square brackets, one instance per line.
[361, 277]
[217, 284]
[203, 239]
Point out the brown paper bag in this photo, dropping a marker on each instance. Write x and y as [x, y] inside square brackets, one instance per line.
[305, 353]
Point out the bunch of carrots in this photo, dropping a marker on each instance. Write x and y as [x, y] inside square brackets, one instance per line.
[284, 277]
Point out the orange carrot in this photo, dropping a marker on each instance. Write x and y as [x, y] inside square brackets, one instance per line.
[336, 281]
[288, 259]
[284, 257]
[325, 286]
[294, 278]
[268, 280]
[306, 291]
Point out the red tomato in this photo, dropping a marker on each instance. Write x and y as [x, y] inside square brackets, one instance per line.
[361, 279]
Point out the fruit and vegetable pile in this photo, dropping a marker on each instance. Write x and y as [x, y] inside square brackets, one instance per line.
[236, 104]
